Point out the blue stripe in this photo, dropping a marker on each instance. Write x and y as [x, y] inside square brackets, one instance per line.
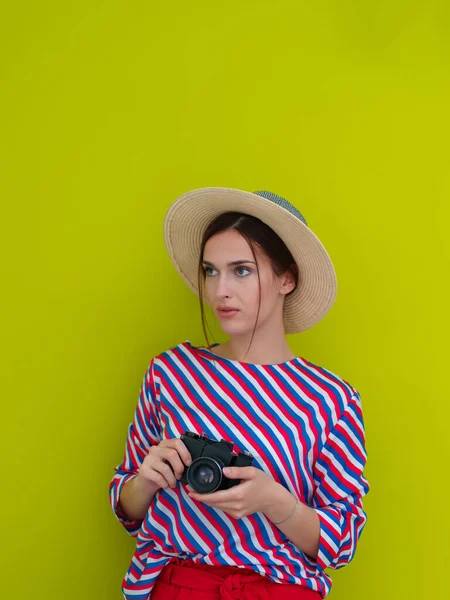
[183, 524]
[268, 430]
[323, 397]
[216, 417]
[333, 390]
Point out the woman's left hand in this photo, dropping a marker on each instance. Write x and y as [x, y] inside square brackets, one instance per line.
[253, 494]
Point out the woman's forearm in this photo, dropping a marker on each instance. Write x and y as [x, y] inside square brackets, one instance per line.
[302, 528]
[136, 496]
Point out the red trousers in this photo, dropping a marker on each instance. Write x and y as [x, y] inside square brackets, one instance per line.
[185, 580]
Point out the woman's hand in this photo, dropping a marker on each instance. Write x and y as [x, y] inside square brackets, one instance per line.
[254, 494]
[164, 463]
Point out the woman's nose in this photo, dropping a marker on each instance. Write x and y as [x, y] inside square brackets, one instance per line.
[223, 286]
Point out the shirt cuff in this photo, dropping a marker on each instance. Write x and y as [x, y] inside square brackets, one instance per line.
[133, 526]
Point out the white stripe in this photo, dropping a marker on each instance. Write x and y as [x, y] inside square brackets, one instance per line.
[312, 402]
[330, 523]
[328, 383]
[348, 452]
[143, 439]
[330, 542]
[338, 492]
[183, 415]
[285, 549]
[305, 465]
[296, 561]
[279, 549]
[345, 475]
[264, 442]
[209, 526]
[174, 531]
[193, 533]
[262, 549]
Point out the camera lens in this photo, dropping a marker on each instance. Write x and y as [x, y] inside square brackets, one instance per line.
[205, 474]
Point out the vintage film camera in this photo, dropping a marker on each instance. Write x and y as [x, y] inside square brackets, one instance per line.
[209, 457]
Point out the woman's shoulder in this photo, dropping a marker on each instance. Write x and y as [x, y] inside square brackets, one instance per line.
[316, 374]
[328, 387]
[178, 351]
[330, 375]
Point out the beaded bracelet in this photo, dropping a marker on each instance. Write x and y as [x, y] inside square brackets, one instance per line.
[290, 514]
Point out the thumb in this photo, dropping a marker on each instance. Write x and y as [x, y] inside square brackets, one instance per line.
[238, 472]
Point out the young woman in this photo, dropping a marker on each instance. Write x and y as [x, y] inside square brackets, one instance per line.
[297, 509]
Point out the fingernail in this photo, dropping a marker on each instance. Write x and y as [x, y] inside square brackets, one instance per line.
[227, 470]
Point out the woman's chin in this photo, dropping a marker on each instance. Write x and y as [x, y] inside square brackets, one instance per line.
[234, 328]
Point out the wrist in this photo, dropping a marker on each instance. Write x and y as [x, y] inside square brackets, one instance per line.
[280, 503]
[146, 485]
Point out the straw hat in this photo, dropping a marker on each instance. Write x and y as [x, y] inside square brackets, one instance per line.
[189, 215]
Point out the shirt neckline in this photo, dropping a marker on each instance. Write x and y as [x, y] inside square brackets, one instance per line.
[206, 351]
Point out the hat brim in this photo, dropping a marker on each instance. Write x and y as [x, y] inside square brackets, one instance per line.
[189, 215]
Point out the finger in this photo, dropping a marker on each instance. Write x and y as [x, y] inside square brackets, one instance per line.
[215, 497]
[160, 465]
[213, 502]
[182, 450]
[225, 506]
[152, 475]
[239, 472]
[180, 447]
[232, 508]
[171, 455]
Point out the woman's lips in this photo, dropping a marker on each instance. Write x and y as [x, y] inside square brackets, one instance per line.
[226, 314]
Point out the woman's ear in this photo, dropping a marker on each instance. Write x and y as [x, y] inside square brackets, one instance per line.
[288, 281]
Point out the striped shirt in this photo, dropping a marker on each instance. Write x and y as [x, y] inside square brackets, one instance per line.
[304, 426]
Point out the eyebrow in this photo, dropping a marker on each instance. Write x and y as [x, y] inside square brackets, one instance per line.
[234, 263]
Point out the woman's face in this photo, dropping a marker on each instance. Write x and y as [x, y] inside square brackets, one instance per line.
[232, 281]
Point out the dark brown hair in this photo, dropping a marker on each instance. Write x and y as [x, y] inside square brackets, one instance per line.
[255, 232]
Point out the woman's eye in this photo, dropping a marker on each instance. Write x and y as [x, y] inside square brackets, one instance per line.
[240, 271]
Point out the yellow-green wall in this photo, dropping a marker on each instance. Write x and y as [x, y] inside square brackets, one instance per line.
[109, 111]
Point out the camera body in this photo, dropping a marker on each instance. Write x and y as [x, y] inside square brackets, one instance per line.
[209, 457]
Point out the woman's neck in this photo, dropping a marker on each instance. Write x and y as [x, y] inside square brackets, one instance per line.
[261, 352]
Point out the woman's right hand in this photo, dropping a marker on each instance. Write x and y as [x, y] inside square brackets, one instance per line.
[165, 463]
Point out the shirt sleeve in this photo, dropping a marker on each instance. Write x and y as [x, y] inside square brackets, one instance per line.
[143, 432]
[340, 487]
